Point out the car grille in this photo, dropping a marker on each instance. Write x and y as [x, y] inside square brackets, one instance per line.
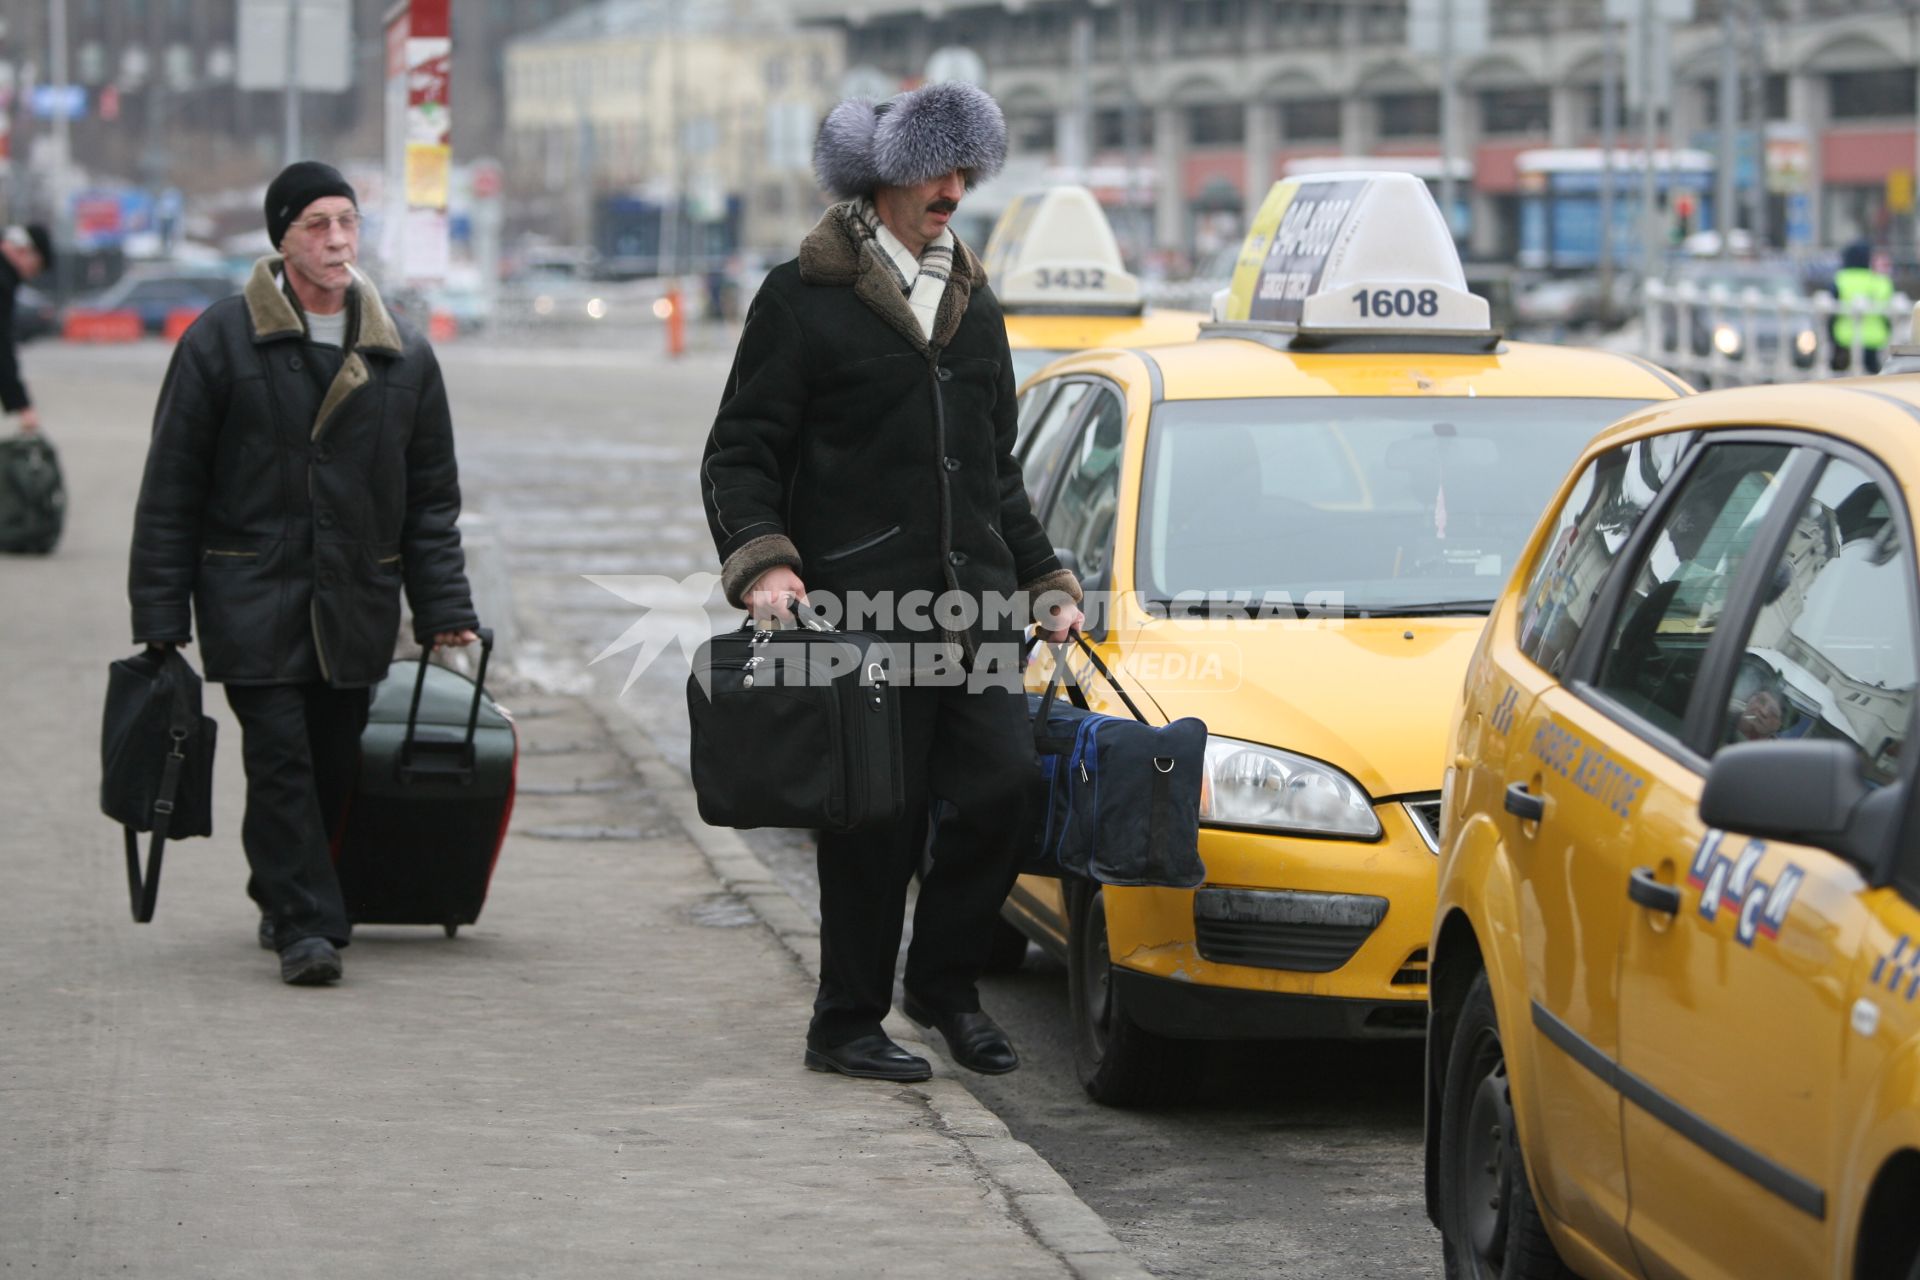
[1284, 929]
[1414, 972]
[1425, 812]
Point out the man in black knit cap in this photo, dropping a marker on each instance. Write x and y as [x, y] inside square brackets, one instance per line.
[301, 473]
[24, 253]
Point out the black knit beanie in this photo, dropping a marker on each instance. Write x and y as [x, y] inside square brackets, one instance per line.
[299, 185]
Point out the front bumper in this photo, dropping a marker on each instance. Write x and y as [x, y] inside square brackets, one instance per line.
[1183, 1011]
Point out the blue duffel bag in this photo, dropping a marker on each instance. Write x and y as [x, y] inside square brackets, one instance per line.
[1118, 799]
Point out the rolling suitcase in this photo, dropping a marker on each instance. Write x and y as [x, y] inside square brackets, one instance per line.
[33, 498]
[438, 764]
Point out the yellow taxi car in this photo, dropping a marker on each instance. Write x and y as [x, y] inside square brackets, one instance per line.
[1292, 528]
[1676, 952]
[1058, 274]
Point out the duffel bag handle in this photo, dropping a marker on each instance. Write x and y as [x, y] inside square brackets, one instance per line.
[1078, 698]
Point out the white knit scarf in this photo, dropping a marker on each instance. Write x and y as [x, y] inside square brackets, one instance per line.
[922, 279]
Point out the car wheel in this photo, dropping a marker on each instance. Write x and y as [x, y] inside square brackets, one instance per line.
[1119, 1063]
[1491, 1228]
[1008, 950]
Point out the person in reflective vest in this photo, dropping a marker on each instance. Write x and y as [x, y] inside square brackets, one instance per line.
[1857, 284]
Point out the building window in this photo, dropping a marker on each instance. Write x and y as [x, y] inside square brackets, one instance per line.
[1510, 111]
[1110, 128]
[1217, 124]
[1596, 95]
[1409, 115]
[1866, 95]
[1310, 120]
[1030, 131]
[1776, 94]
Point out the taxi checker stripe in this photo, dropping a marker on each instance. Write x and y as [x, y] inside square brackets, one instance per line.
[1719, 1144]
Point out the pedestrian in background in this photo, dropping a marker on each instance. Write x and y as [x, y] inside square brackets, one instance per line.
[1860, 283]
[25, 252]
[865, 438]
[301, 472]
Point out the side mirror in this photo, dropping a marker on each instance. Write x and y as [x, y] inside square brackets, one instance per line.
[1803, 791]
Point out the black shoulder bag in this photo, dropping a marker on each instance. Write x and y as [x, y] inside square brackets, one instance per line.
[156, 762]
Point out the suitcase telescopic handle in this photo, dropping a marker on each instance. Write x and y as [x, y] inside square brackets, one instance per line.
[464, 768]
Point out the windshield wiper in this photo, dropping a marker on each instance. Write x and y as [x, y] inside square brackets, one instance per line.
[1427, 609]
[1222, 608]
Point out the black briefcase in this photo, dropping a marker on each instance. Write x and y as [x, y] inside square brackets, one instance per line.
[156, 762]
[796, 728]
[33, 497]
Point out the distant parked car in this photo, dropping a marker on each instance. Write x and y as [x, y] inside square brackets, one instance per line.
[34, 315]
[154, 294]
[1736, 330]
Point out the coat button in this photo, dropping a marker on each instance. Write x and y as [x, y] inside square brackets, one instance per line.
[956, 558]
[953, 464]
[945, 374]
[293, 363]
[324, 520]
[322, 454]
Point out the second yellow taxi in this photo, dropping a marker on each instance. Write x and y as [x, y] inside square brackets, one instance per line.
[1297, 524]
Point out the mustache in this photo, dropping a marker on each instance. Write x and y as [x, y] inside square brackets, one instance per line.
[943, 206]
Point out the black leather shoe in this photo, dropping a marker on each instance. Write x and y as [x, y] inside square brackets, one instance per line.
[974, 1040]
[309, 962]
[267, 942]
[871, 1057]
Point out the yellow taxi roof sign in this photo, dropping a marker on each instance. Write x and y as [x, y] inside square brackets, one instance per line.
[1351, 253]
[1054, 251]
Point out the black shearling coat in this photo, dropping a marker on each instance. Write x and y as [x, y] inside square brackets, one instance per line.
[865, 456]
[290, 510]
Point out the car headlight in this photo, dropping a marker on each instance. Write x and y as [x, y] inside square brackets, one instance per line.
[1726, 340]
[1248, 785]
[1806, 342]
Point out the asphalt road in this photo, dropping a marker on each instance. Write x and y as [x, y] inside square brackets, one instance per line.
[1293, 1161]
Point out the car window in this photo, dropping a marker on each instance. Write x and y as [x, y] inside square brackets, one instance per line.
[1831, 654]
[1082, 515]
[1593, 525]
[1381, 502]
[1032, 403]
[1043, 445]
[1680, 587]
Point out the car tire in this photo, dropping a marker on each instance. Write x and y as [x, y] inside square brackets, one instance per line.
[1491, 1228]
[1119, 1063]
[1008, 950]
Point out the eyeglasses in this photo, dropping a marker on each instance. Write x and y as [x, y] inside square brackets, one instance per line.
[318, 223]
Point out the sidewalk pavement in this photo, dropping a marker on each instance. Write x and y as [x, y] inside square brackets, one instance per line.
[601, 1077]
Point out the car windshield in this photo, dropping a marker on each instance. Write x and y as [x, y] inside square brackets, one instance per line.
[1409, 505]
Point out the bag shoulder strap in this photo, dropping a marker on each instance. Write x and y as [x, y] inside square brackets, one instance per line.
[143, 889]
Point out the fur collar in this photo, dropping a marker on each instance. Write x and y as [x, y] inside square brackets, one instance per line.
[832, 256]
[273, 316]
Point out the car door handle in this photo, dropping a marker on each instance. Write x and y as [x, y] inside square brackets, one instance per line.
[1651, 894]
[1522, 803]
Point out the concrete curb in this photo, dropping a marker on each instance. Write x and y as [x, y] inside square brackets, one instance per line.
[1032, 1191]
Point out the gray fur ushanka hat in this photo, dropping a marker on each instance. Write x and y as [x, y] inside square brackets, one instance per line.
[910, 139]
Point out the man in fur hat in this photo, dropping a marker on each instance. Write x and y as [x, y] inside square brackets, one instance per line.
[864, 450]
[301, 473]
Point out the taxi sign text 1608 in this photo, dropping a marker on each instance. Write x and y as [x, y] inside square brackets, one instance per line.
[1352, 252]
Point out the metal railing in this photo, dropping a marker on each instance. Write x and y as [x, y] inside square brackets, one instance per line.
[1717, 337]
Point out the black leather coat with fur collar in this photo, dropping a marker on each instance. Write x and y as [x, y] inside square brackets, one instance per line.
[291, 515]
[869, 459]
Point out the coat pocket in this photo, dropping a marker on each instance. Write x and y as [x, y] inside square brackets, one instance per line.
[854, 548]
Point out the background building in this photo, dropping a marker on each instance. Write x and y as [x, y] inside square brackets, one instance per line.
[1224, 95]
[629, 111]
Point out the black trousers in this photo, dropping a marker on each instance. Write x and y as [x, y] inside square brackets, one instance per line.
[974, 750]
[301, 746]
